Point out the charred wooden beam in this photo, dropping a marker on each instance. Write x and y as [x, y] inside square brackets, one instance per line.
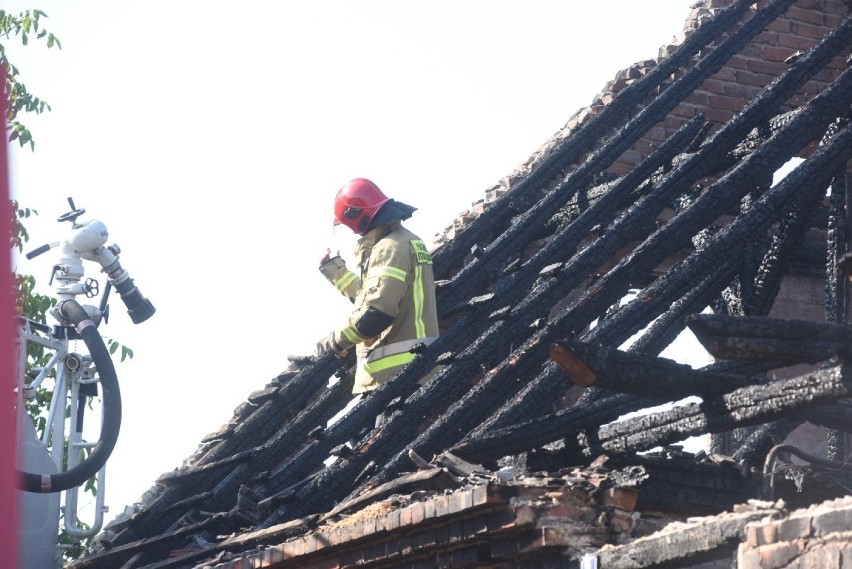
[761, 338]
[570, 150]
[752, 453]
[737, 299]
[294, 395]
[838, 244]
[745, 406]
[542, 396]
[538, 432]
[759, 135]
[791, 230]
[837, 291]
[666, 328]
[687, 484]
[614, 370]
[837, 415]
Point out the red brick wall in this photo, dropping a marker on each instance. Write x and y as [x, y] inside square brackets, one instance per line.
[820, 536]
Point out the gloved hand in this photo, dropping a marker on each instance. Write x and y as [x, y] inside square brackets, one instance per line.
[328, 344]
[328, 257]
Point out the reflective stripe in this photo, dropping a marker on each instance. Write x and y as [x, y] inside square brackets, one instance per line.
[388, 362]
[402, 347]
[419, 297]
[345, 281]
[391, 272]
[352, 335]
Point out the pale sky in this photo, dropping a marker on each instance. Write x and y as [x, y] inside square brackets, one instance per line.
[211, 137]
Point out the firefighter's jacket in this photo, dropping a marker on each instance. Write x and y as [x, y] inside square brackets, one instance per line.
[394, 302]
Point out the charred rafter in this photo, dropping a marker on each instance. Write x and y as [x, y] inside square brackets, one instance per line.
[782, 341]
[611, 369]
[745, 406]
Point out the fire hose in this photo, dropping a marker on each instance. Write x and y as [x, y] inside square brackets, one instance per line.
[111, 422]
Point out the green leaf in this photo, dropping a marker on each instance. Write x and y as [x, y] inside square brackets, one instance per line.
[126, 353]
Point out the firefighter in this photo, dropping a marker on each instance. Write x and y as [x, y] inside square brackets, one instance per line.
[393, 291]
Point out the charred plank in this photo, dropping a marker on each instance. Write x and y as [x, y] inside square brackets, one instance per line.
[762, 338]
[538, 432]
[745, 406]
[666, 328]
[608, 368]
[752, 453]
[791, 230]
[837, 415]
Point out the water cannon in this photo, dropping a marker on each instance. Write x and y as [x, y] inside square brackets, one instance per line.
[59, 461]
[88, 241]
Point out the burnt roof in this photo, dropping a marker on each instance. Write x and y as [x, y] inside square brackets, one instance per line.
[531, 362]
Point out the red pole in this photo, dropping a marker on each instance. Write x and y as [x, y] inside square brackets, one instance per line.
[8, 423]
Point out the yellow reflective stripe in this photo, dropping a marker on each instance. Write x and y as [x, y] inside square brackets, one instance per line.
[419, 301]
[345, 281]
[352, 335]
[391, 272]
[388, 362]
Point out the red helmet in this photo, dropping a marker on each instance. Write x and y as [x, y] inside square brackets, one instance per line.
[356, 204]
